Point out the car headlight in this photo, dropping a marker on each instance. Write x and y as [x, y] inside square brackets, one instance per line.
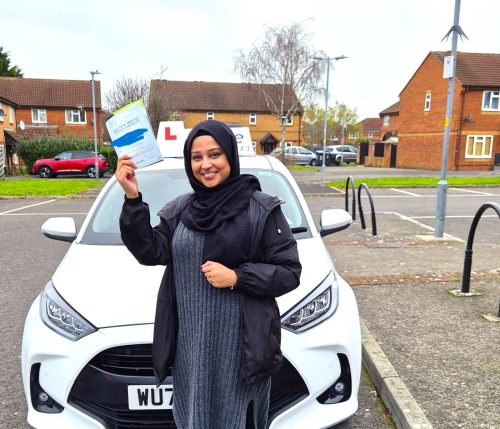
[316, 307]
[59, 316]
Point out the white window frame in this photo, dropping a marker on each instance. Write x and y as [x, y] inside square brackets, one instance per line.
[252, 119]
[11, 114]
[386, 119]
[478, 140]
[290, 120]
[494, 95]
[210, 116]
[70, 115]
[370, 135]
[427, 103]
[1, 116]
[40, 112]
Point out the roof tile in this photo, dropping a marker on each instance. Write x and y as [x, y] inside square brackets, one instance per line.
[26, 92]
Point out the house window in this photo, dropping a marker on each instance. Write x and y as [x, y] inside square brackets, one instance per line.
[287, 122]
[76, 116]
[252, 120]
[491, 100]
[386, 119]
[39, 116]
[427, 104]
[11, 114]
[210, 115]
[370, 135]
[353, 136]
[1, 115]
[479, 146]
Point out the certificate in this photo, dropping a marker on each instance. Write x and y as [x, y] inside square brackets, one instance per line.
[131, 133]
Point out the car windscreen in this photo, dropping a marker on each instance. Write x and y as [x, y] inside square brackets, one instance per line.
[160, 187]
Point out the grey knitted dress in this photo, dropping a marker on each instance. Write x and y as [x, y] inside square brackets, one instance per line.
[209, 392]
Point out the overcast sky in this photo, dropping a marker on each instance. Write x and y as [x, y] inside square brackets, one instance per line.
[385, 40]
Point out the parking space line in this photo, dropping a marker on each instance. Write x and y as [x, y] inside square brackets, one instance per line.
[423, 225]
[405, 192]
[452, 217]
[472, 192]
[27, 207]
[44, 214]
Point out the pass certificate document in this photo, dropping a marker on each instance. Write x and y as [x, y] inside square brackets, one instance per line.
[131, 133]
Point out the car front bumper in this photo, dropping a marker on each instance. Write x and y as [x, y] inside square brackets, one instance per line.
[93, 395]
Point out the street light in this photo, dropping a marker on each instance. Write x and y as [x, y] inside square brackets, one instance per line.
[327, 59]
[95, 125]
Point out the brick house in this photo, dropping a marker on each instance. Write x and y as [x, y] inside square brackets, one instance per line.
[382, 151]
[370, 130]
[237, 104]
[474, 142]
[8, 159]
[51, 106]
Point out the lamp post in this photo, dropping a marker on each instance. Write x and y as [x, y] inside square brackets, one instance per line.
[442, 188]
[95, 125]
[327, 59]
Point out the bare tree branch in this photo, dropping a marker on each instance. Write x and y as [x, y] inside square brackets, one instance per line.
[283, 68]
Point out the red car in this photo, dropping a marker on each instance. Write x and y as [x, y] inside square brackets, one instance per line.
[71, 162]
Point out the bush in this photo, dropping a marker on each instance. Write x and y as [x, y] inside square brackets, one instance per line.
[49, 146]
[110, 153]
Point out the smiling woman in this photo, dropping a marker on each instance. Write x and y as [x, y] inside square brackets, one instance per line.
[36, 187]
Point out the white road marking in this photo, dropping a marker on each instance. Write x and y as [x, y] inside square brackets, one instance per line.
[423, 225]
[406, 192]
[472, 192]
[42, 214]
[455, 217]
[27, 207]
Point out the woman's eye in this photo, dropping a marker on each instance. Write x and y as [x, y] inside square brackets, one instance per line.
[215, 154]
[195, 158]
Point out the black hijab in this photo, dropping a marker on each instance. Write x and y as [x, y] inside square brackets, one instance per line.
[221, 212]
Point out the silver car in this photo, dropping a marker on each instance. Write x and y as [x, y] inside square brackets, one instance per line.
[295, 155]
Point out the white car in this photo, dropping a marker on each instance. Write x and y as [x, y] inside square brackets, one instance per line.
[86, 352]
[295, 154]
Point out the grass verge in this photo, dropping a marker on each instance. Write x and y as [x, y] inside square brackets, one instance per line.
[419, 182]
[45, 187]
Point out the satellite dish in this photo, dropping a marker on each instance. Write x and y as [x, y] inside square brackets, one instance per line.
[21, 125]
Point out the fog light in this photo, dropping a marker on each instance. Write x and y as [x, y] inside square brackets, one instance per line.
[40, 400]
[43, 397]
[339, 387]
[340, 391]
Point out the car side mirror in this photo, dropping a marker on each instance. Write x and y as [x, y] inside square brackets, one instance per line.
[60, 228]
[57, 158]
[334, 220]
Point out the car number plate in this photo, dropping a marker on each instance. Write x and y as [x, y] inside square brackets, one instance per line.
[147, 397]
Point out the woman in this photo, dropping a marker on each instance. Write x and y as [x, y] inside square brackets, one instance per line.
[229, 252]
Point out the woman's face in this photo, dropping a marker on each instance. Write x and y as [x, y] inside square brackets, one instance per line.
[209, 162]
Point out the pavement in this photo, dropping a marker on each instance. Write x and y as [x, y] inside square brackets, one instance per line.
[433, 356]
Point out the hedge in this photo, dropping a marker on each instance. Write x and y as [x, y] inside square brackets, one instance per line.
[49, 146]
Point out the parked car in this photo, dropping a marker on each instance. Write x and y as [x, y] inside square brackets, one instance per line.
[86, 349]
[71, 162]
[337, 154]
[295, 154]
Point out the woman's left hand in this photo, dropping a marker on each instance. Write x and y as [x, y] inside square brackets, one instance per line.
[218, 275]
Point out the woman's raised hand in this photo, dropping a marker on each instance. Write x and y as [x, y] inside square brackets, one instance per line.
[125, 176]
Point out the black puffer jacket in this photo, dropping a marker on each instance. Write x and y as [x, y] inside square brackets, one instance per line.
[273, 269]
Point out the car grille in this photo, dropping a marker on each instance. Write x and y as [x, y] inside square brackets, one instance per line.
[100, 390]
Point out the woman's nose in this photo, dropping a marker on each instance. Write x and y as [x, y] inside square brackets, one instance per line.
[206, 162]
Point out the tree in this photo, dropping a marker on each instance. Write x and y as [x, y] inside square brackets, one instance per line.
[128, 90]
[341, 120]
[283, 68]
[5, 68]
[125, 91]
[313, 124]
